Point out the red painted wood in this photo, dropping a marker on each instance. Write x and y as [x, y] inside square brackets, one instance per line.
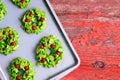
[93, 26]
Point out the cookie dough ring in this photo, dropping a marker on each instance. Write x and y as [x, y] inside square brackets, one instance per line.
[3, 10]
[21, 3]
[21, 69]
[34, 21]
[56, 54]
[9, 40]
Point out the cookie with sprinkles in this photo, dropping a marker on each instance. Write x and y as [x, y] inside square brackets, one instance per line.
[19, 65]
[3, 10]
[9, 40]
[21, 3]
[54, 46]
[34, 21]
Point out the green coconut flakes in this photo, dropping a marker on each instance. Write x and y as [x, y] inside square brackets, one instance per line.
[21, 3]
[21, 69]
[3, 10]
[43, 57]
[9, 40]
[34, 21]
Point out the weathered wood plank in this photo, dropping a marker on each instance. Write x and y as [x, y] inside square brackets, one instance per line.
[101, 62]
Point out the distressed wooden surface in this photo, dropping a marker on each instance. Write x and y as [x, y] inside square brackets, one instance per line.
[93, 26]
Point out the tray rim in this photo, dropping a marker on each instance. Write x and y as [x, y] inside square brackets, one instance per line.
[3, 75]
[66, 72]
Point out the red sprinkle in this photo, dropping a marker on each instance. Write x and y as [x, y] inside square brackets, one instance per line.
[58, 53]
[42, 19]
[26, 68]
[41, 47]
[43, 60]
[33, 27]
[10, 35]
[22, 1]
[31, 14]
[17, 66]
[4, 32]
[0, 37]
[18, 77]
[27, 20]
[13, 43]
[52, 46]
[4, 48]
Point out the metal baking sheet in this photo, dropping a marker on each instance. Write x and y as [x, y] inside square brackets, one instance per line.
[2, 75]
[28, 42]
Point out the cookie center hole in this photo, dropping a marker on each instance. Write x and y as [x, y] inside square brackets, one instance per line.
[21, 72]
[48, 52]
[36, 21]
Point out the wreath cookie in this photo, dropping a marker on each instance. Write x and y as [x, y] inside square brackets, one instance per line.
[21, 3]
[9, 39]
[3, 10]
[21, 69]
[56, 54]
[34, 21]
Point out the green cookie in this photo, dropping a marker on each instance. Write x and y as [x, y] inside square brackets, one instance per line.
[21, 69]
[34, 21]
[9, 39]
[21, 3]
[3, 10]
[52, 44]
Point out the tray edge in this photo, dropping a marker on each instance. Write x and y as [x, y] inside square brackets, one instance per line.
[60, 75]
[3, 73]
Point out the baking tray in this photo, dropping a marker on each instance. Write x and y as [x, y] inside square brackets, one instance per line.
[28, 42]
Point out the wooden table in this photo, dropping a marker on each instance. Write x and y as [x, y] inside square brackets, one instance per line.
[93, 26]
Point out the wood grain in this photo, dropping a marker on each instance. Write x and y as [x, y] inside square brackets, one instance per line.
[100, 59]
